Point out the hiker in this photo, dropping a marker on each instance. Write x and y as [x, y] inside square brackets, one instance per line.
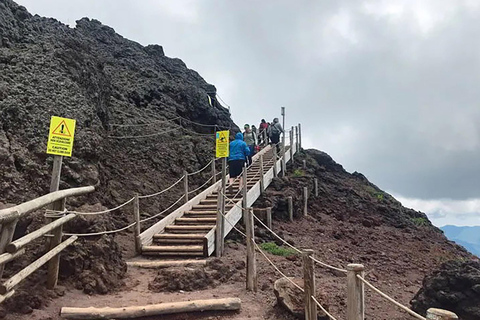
[263, 131]
[239, 152]
[250, 139]
[275, 131]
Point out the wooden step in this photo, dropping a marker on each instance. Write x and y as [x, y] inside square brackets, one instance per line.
[198, 221]
[200, 212]
[178, 241]
[188, 229]
[209, 207]
[208, 201]
[174, 254]
[174, 238]
[173, 248]
[179, 236]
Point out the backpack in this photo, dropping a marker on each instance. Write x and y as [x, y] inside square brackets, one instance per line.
[274, 129]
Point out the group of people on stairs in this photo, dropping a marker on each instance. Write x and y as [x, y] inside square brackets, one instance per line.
[246, 144]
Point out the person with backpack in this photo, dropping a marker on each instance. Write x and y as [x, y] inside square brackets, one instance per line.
[275, 131]
[239, 152]
[250, 139]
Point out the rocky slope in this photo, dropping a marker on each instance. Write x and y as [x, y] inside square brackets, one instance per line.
[107, 83]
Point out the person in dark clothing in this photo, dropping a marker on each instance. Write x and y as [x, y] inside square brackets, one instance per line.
[275, 131]
[239, 152]
[250, 139]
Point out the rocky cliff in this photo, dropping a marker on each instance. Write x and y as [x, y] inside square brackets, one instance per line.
[91, 74]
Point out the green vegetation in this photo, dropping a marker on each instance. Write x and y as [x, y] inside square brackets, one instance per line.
[419, 222]
[272, 248]
[380, 196]
[297, 173]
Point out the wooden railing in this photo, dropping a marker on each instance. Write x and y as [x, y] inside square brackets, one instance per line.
[10, 250]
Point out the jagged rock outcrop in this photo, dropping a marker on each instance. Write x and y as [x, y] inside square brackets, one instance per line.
[455, 286]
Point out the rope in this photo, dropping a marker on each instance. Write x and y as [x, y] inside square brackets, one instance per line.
[323, 309]
[144, 136]
[99, 233]
[99, 212]
[206, 166]
[159, 214]
[203, 185]
[276, 268]
[260, 250]
[160, 192]
[276, 235]
[413, 313]
[328, 266]
[143, 124]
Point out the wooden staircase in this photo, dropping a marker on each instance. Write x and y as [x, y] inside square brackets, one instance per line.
[188, 232]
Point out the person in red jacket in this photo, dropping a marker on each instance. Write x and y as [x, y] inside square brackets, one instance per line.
[263, 129]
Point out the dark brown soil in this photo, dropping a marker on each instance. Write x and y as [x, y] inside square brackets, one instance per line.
[195, 278]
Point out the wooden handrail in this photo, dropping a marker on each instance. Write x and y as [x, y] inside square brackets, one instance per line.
[45, 200]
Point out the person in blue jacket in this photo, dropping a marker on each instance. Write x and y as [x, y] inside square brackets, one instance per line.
[239, 152]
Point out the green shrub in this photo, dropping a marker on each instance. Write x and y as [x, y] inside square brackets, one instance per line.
[272, 248]
[419, 222]
[298, 173]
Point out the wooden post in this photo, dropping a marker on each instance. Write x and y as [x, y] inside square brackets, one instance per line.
[251, 260]
[305, 201]
[6, 236]
[439, 314]
[304, 162]
[296, 139]
[56, 173]
[54, 263]
[262, 176]
[355, 293]
[315, 183]
[268, 212]
[219, 232]
[214, 172]
[284, 164]
[309, 285]
[54, 185]
[290, 208]
[185, 185]
[244, 193]
[299, 136]
[291, 144]
[275, 173]
[137, 227]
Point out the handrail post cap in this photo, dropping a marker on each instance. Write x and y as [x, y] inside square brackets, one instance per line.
[355, 267]
[307, 252]
[439, 314]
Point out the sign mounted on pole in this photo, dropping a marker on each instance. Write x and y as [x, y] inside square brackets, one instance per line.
[222, 144]
[60, 137]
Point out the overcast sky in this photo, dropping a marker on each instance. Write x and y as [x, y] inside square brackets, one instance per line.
[387, 88]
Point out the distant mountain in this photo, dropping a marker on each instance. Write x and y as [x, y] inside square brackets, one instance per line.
[467, 237]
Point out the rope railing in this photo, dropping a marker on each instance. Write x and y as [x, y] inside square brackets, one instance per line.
[167, 209]
[203, 185]
[100, 233]
[404, 308]
[162, 191]
[200, 170]
[283, 240]
[257, 247]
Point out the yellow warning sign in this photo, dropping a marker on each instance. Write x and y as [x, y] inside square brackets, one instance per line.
[60, 138]
[223, 144]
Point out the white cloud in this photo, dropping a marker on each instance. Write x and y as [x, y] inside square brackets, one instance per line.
[446, 211]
